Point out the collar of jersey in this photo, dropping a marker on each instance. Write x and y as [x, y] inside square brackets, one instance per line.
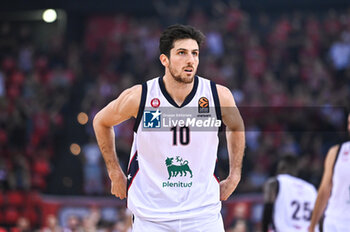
[187, 99]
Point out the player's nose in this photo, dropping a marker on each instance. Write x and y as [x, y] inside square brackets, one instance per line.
[190, 60]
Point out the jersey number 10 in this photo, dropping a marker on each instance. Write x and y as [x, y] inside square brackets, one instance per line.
[184, 135]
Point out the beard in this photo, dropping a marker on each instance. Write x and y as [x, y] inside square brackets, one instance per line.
[181, 79]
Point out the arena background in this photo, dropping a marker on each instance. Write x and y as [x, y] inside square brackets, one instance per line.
[286, 62]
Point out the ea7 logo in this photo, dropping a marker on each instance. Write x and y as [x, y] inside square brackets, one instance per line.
[152, 119]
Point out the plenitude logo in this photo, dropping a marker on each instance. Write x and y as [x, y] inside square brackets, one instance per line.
[180, 169]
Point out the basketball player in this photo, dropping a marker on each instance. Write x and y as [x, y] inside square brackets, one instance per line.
[170, 184]
[288, 199]
[334, 191]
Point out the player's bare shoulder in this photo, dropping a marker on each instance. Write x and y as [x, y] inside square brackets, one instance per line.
[229, 111]
[125, 106]
[334, 149]
[129, 100]
[331, 156]
[225, 96]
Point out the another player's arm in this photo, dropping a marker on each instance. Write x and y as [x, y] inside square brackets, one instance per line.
[270, 194]
[117, 111]
[235, 137]
[325, 188]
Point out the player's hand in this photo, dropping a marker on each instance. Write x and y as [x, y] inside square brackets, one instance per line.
[228, 185]
[118, 185]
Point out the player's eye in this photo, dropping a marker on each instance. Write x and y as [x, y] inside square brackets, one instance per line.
[181, 53]
[195, 53]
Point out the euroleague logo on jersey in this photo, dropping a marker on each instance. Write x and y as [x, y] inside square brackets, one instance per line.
[155, 103]
[203, 105]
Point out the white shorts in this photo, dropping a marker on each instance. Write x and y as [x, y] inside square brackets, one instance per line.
[203, 224]
[332, 225]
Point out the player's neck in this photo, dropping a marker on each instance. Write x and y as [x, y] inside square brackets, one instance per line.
[178, 91]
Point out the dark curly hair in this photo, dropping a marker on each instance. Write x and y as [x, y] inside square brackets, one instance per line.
[177, 32]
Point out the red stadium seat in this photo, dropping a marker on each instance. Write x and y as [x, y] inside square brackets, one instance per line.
[15, 198]
[31, 214]
[32, 199]
[2, 199]
[11, 216]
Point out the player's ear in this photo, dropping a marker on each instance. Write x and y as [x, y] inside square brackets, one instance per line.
[164, 60]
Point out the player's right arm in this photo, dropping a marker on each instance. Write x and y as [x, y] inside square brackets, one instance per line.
[325, 188]
[117, 111]
[270, 194]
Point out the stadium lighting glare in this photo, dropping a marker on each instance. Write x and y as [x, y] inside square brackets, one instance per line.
[82, 118]
[75, 149]
[49, 15]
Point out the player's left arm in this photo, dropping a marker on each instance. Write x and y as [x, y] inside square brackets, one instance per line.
[235, 137]
[270, 194]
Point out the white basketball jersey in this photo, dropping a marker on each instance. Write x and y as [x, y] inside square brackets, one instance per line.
[171, 167]
[339, 202]
[294, 204]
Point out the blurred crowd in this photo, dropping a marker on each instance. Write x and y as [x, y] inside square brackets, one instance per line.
[80, 220]
[289, 73]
